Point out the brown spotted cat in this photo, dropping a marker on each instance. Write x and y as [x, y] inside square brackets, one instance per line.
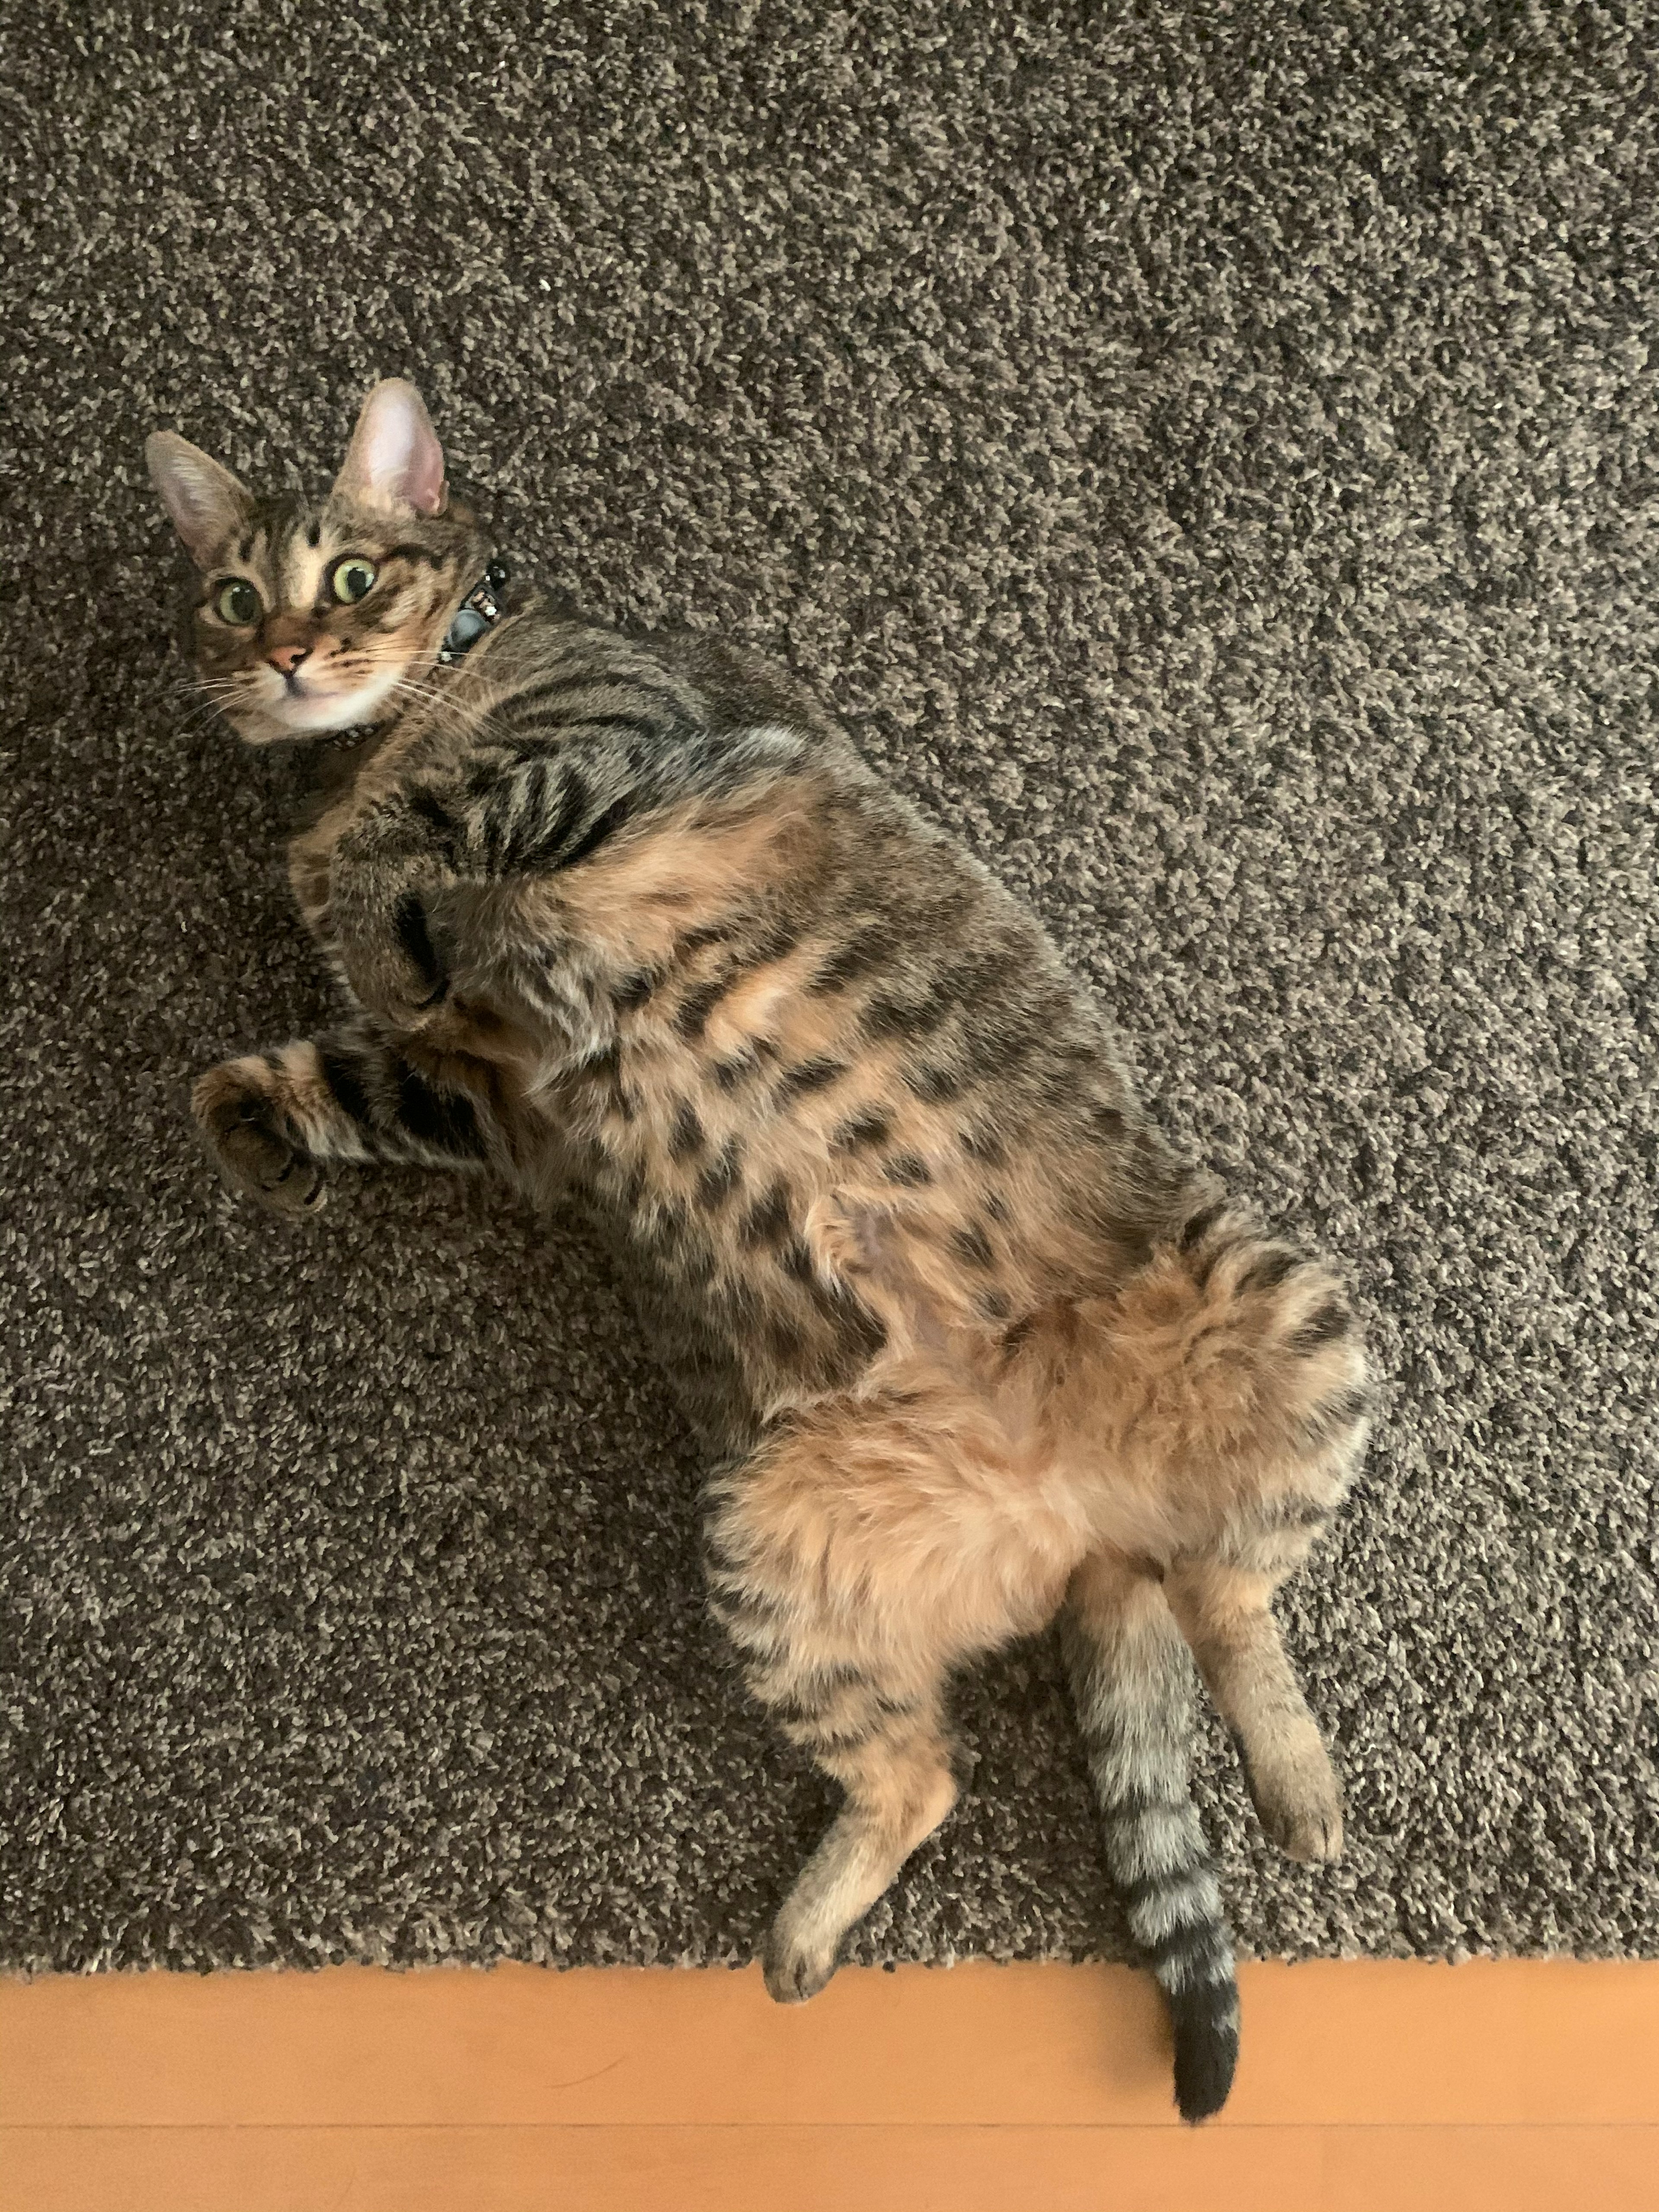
[630, 921]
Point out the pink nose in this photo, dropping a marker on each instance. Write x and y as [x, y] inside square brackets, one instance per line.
[286, 658]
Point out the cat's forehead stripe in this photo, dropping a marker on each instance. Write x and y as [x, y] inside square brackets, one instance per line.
[302, 571]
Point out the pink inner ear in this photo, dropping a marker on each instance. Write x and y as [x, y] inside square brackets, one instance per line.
[395, 455]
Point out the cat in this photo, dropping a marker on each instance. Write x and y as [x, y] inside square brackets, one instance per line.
[630, 922]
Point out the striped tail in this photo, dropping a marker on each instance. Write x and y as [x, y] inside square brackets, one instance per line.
[1131, 1678]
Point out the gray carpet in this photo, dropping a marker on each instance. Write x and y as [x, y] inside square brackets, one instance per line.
[1214, 448]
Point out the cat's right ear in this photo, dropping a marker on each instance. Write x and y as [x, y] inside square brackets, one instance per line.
[207, 503]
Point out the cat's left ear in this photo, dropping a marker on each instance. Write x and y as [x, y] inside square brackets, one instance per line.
[394, 459]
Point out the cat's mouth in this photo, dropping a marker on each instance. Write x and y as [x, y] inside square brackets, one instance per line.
[305, 704]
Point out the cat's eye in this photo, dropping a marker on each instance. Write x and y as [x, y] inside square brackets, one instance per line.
[353, 579]
[237, 602]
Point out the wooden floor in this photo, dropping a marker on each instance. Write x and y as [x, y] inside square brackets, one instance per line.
[1365, 2088]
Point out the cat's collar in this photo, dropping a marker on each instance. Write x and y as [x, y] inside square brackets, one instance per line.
[481, 610]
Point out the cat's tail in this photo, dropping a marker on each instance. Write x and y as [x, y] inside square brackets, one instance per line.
[1132, 1686]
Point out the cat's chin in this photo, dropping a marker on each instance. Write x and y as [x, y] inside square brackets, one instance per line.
[315, 715]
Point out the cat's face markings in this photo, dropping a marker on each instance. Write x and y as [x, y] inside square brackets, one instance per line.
[313, 616]
[350, 607]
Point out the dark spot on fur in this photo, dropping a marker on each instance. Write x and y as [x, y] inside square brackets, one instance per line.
[869, 1126]
[985, 1147]
[932, 1085]
[441, 1119]
[908, 1168]
[729, 1073]
[768, 1219]
[1017, 1333]
[855, 958]
[996, 1207]
[698, 1004]
[796, 1259]
[855, 1326]
[414, 553]
[687, 1136]
[993, 1305]
[719, 1179]
[811, 1075]
[1267, 1273]
[1324, 1327]
[1201, 1223]
[631, 994]
[890, 1018]
[595, 835]
[710, 933]
[971, 1244]
[344, 1076]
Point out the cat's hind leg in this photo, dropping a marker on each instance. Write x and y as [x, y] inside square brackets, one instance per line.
[1226, 1615]
[1236, 1368]
[891, 1754]
[859, 1556]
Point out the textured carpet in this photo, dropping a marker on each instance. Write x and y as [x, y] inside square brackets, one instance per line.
[1208, 450]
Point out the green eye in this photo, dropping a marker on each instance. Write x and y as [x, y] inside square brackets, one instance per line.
[237, 602]
[353, 579]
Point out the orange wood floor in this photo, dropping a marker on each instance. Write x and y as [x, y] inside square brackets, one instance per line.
[1365, 2086]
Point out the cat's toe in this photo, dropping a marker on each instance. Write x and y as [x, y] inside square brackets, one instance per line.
[1314, 1837]
[1306, 1826]
[794, 1971]
[1299, 1804]
[260, 1161]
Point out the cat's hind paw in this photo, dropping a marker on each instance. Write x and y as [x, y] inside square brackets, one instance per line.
[1299, 1803]
[794, 1970]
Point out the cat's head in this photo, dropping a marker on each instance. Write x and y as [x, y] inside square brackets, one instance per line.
[315, 615]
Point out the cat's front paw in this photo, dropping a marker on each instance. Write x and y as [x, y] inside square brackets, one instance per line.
[390, 966]
[240, 1111]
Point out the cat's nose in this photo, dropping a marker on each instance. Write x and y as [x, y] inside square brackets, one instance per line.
[285, 659]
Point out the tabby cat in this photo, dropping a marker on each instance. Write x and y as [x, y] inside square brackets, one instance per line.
[630, 922]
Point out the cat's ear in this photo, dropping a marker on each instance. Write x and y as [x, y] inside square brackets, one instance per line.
[394, 459]
[206, 502]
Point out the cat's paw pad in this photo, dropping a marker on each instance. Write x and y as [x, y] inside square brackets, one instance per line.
[240, 1116]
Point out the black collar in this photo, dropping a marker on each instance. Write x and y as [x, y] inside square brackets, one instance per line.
[480, 611]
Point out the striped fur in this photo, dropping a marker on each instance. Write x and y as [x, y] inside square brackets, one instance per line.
[628, 924]
[1130, 1683]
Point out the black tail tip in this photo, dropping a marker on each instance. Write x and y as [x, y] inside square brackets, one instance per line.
[1205, 2052]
